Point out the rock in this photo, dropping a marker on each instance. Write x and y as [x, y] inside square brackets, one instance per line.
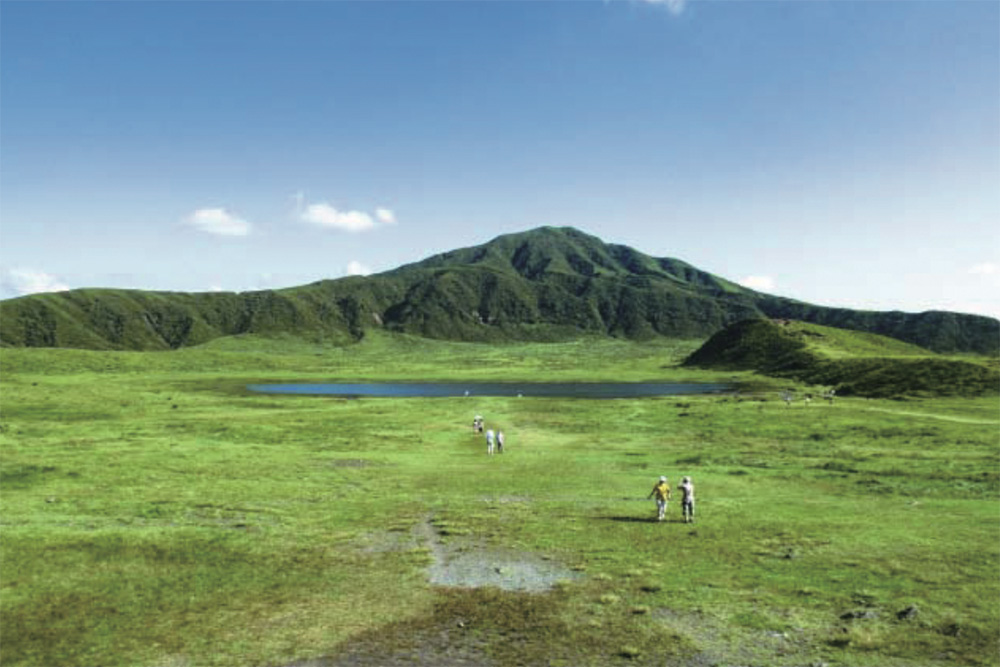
[908, 613]
[859, 614]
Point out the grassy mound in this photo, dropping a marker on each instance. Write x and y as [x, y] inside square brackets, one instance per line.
[853, 363]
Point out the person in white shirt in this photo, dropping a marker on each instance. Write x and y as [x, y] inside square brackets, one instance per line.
[687, 499]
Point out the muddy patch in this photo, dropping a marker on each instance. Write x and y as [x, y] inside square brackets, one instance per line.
[463, 562]
[459, 560]
[491, 607]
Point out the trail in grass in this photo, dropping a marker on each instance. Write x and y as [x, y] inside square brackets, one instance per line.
[949, 418]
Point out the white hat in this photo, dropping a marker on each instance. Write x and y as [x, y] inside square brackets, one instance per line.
[663, 479]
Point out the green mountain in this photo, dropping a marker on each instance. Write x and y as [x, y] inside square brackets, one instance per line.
[853, 363]
[544, 284]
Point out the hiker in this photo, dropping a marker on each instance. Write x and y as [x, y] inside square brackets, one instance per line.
[477, 424]
[662, 493]
[499, 442]
[489, 441]
[687, 500]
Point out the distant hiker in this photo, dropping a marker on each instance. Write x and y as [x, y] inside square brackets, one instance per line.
[662, 493]
[687, 499]
[489, 441]
[477, 424]
[499, 442]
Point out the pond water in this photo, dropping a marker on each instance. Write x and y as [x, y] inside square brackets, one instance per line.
[532, 389]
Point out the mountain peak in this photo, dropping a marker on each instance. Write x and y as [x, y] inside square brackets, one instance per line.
[546, 283]
[566, 251]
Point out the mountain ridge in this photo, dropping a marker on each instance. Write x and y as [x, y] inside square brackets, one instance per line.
[549, 283]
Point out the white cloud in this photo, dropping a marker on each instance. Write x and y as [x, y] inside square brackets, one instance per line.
[386, 216]
[675, 7]
[765, 283]
[218, 221]
[325, 215]
[357, 269]
[984, 269]
[29, 281]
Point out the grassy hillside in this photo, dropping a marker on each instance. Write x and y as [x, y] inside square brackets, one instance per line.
[850, 362]
[157, 515]
[547, 284]
[938, 331]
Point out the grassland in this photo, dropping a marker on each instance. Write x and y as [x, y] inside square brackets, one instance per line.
[156, 514]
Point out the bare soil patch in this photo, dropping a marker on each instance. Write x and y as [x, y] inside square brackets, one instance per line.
[465, 563]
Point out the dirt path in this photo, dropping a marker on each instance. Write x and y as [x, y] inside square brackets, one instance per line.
[930, 415]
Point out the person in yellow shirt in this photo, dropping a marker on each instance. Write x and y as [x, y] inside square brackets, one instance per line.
[662, 493]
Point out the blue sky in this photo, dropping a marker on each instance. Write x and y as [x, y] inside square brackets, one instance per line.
[843, 153]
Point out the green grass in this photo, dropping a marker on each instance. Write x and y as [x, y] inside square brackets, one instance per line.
[851, 362]
[836, 343]
[156, 514]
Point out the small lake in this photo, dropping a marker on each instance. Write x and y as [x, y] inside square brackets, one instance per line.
[530, 389]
